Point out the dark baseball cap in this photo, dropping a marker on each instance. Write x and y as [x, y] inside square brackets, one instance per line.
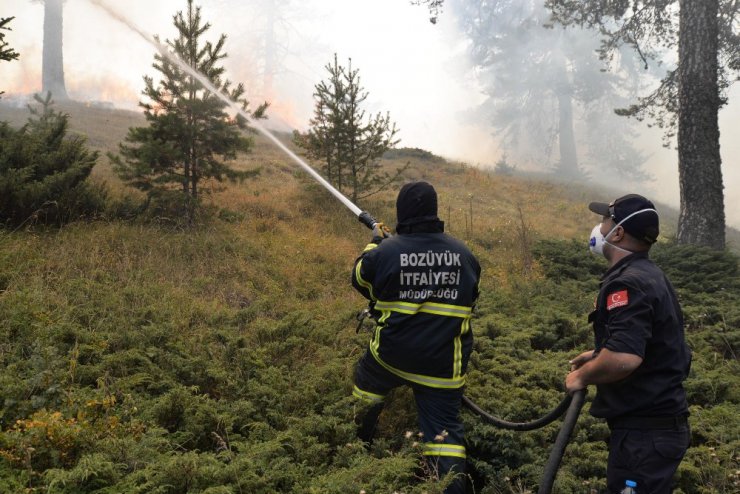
[644, 226]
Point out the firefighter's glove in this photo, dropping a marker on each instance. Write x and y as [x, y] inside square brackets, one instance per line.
[380, 231]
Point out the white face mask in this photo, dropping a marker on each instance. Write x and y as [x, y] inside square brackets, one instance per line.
[597, 241]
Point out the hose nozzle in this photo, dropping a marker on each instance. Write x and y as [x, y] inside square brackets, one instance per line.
[367, 219]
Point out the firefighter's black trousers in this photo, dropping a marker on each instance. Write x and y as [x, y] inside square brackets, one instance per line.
[649, 457]
[438, 415]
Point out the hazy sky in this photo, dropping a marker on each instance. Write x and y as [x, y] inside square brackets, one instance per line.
[411, 68]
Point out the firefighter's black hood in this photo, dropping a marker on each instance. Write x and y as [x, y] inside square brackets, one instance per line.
[416, 209]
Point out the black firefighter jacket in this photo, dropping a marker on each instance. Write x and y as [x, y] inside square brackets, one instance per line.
[422, 288]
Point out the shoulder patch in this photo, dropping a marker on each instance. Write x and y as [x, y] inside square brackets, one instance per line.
[617, 299]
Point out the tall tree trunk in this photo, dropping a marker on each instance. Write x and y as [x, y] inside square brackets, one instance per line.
[52, 64]
[568, 165]
[566, 135]
[702, 217]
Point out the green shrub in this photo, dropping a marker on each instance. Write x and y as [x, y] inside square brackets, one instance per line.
[43, 173]
[120, 341]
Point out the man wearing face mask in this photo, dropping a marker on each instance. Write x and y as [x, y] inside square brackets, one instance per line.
[640, 358]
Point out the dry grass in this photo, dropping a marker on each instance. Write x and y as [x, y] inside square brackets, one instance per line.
[475, 204]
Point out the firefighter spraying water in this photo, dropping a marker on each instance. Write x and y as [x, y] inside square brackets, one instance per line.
[435, 383]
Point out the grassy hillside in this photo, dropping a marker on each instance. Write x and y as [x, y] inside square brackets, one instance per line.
[135, 358]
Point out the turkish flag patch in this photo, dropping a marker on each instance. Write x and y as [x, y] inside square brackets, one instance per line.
[617, 299]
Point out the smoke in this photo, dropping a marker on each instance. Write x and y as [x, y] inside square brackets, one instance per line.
[417, 71]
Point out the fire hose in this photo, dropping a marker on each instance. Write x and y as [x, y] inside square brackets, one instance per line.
[570, 404]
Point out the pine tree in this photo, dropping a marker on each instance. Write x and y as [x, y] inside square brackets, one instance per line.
[348, 144]
[43, 172]
[190, 137]
[6, 52]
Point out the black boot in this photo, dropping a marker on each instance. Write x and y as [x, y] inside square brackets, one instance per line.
[367, 422]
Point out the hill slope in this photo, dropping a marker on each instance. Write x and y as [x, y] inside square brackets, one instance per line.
[140, 359]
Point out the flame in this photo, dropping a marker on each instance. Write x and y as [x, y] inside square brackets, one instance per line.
[104, 88]
[22, 78]
[284, 112]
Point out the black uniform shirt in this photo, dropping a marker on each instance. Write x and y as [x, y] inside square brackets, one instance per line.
[637, 312]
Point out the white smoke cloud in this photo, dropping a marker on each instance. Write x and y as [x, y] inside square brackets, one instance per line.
[415, 70]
